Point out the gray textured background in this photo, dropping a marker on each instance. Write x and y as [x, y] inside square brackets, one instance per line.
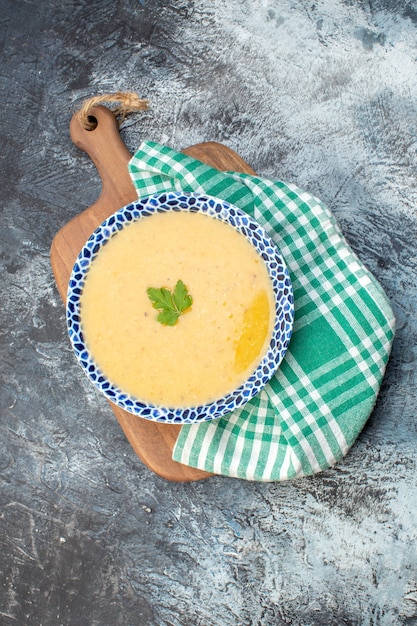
[322, 94]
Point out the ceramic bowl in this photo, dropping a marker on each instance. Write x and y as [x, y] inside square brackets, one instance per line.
[259, 239]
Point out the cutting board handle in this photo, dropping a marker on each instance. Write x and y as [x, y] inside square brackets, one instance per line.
[105, 147]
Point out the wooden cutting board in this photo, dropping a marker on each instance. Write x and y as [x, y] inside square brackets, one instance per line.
[152, 442]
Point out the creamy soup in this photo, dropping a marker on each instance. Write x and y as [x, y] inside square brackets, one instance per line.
[214, 346]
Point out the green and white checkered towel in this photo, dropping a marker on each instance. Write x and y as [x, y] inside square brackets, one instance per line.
[311, 412]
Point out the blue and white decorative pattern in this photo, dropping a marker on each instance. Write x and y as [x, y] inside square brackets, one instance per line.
[266, 248]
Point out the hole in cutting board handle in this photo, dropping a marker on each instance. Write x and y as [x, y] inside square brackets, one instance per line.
[92, 121]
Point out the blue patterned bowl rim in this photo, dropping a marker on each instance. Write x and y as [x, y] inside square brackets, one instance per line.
[278, 272]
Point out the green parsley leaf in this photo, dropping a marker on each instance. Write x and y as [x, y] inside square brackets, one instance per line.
[181, 297]
[170, 304]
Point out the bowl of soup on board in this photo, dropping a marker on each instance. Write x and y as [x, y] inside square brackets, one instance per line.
[180, 308]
